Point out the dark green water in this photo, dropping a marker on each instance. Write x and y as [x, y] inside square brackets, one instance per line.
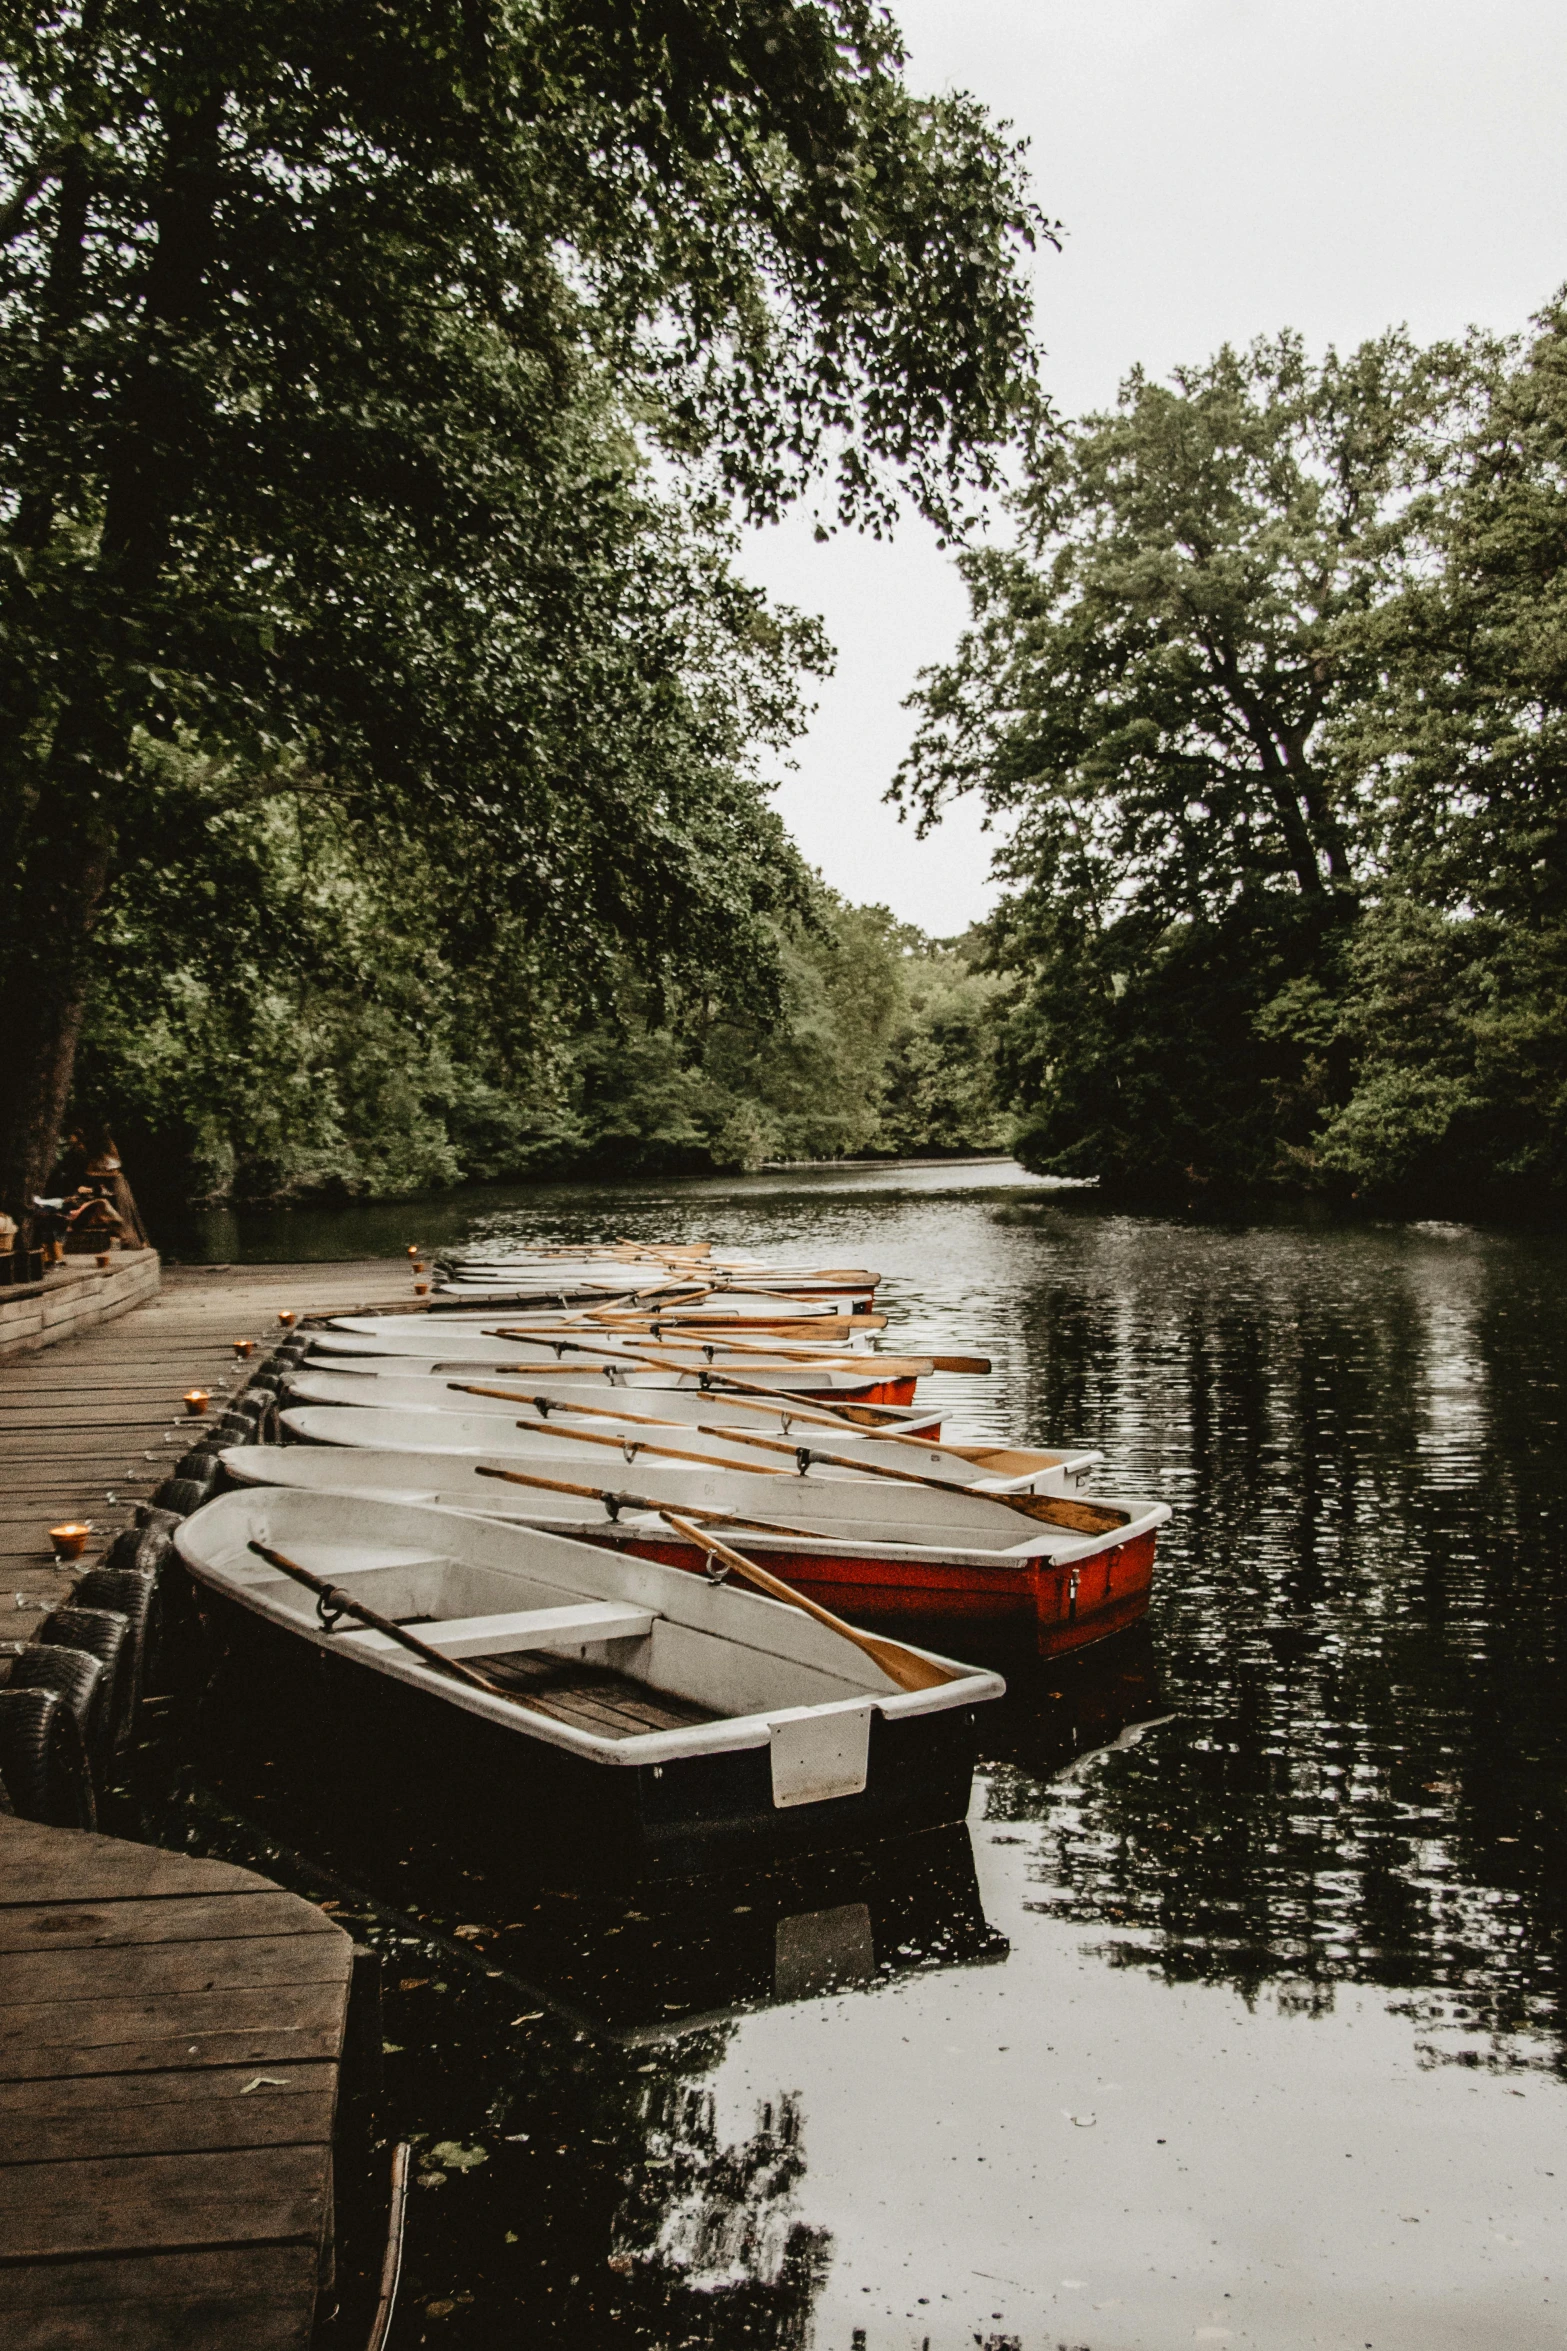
[1235, 2015]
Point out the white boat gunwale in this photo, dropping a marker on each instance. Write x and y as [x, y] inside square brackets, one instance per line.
[695, 1603]
[1059, 1546]
[312, 1385]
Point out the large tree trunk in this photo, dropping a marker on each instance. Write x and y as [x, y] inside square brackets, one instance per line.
[73, 804]
[41, 1005]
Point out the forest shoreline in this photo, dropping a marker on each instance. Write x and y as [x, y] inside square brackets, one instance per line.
[329, 1231]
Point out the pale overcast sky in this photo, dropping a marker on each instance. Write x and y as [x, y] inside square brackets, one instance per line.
[1223, 168]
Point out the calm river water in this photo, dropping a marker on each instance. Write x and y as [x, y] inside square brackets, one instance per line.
[1234, 2016]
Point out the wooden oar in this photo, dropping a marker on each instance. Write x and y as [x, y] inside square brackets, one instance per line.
[980, 1364]
[823, 1329]
[604, 1365]
[973, 1363]
[544, 1405]
[856, 1419]
[1084, 1517]
[343, 1605]
[812, 1329]
[615, 1501]
[1055, 1510]
[900, 1665]
[821, 1415]
[873, 1366]
[627, 1446]
[861, 1416]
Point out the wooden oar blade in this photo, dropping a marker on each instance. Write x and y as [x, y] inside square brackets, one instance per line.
[903, 1666]
[1063, 1510]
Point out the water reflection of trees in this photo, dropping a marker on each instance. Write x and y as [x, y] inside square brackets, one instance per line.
[709, 2233]
[1361, 1611]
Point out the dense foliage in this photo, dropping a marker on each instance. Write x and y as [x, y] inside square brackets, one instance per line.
[376, 386]
[299, 1023]
[1270, 692]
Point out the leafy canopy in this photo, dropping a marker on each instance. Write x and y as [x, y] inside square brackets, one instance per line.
[1268, 697]
[374, 388]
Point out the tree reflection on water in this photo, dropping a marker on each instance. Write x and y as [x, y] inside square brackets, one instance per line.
[1360, 1613]
[720, 2222]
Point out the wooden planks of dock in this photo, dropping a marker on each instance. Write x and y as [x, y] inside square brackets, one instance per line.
[170, 2036]
[89, 1427]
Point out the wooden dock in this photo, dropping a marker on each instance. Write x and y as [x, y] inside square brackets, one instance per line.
[90, 1426]
[171, 2032]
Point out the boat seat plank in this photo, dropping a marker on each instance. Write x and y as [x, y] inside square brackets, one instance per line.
[530, 1628]
[337, 1561]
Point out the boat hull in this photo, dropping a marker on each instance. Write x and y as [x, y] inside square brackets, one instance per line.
[1059, 1607]
[563, 1817]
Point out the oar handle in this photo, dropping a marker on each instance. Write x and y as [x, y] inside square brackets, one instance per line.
[346, 1605]
[626, 1446]
[614, 1502]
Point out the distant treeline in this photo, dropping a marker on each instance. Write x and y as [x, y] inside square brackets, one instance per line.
[314, 1028]
[1271, 693]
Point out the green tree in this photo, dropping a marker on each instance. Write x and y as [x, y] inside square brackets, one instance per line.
[941, 1081]
[333, 342]
[280, 1019]
[1458, 1005]
[1150, 700]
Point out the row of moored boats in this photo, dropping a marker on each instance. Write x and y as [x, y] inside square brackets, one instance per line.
[657, 1551]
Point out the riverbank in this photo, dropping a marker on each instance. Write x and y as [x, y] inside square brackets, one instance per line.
[327, 1232]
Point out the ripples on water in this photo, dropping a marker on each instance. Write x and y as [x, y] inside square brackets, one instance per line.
[1352, 1774]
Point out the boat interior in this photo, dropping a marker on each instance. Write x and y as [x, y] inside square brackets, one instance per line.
[615, 1668]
